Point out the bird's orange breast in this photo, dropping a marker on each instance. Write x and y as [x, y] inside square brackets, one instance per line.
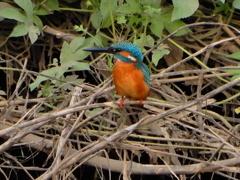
[129, 81]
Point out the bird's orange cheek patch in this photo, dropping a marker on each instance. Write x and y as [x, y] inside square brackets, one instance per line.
[124, 53]
[127, 55]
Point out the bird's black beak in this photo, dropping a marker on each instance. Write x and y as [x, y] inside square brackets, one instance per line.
[99, 49]
[102, 49]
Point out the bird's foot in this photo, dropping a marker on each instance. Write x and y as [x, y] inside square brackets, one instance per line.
[121, 102]
[141, 102]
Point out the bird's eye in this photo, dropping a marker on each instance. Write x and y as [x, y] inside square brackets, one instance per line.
[117, 50]
[113, 50]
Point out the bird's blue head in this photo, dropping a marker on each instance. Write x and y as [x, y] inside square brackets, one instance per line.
[127, 52]
[124, 51]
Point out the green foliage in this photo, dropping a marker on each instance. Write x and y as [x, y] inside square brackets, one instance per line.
[157, 55]
[183, 9]
[235, 55]
[141, 20]
[27, 18]
[236, 72]
[70, 59]
[225, 7]
[222, 7]
[46, 7]
[131, 7]
[236, 4]
[97, 39]
[108, 12]
[147, 14]
[28, 22]
[94, 112]
[138, 18]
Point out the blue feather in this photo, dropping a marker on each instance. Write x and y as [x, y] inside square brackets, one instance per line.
[143, 67]
[132, 48]
[134, 52]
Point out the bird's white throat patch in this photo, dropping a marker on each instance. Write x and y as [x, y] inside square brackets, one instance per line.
[132, 58]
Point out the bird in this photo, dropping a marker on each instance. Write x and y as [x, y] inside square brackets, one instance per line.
[131, 77]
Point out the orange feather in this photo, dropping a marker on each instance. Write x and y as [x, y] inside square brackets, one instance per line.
[129, 81]
[124, 53]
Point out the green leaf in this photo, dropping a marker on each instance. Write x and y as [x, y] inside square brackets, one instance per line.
[26, 5]
[108, 12]
[149, 41]
[19, 30]
[72, 52]
[66, 53]
[69, 59]
[162, 20]
[72, 79]
[131, 7]
[94, 112]
[157, 55]
[48, 7]
[28, 22]
[12, 13]
[46, 89]
[33, 33]
[156, 25]
[38, 22]
[172, 26]
[80, 66]
[144, 40]
[76, 44]
[155, 3]
[52, 4]
[134, 20]
[235, 55]
[125, 9]
[235, 77]
[55, 72]
[236, 4]
[4, 5]
[121, 19]
[152, 3]
[151, 11]
[97, 39]
[183, 9]
[233, 71]
[96, 19]
[224, 8]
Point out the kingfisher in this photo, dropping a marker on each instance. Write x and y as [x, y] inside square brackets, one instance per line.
[131, 76]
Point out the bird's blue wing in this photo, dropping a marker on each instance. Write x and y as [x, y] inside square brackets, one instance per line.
[143, 67]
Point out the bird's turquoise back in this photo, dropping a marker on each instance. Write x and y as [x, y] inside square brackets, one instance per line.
[143, 67]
